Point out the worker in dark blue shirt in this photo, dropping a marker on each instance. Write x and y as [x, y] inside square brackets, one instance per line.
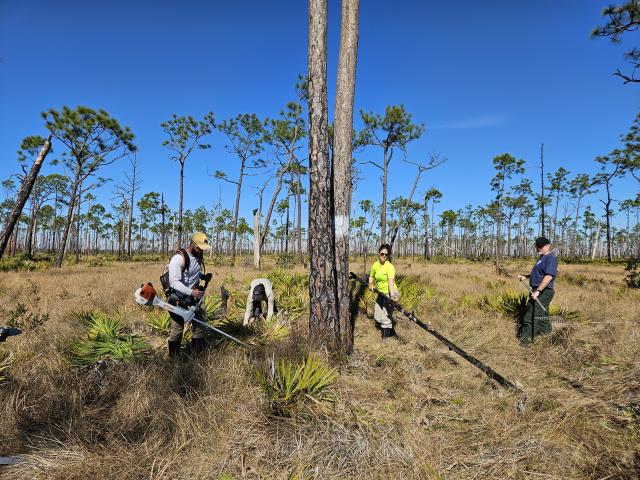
[542, 281]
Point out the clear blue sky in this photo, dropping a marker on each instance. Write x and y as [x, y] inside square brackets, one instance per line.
[485, 77]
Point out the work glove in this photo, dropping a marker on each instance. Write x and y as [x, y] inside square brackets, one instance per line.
[207, 277]
[395, 296]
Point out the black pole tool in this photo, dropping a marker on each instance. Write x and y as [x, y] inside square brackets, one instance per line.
[491, 373]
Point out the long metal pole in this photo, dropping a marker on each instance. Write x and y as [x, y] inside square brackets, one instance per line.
[491, 373]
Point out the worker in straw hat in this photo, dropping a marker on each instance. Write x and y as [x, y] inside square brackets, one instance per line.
[185, 270]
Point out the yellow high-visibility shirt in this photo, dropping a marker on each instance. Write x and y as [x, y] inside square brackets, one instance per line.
[382, 274]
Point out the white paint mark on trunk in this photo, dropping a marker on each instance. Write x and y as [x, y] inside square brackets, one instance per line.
[342, 225]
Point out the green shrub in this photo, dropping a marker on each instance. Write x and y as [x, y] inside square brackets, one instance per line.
[632, 279]
[291, 292]
[233, 326]
[106, 339]
[514, 304]
[285, 260]
[273, 328]
[287, 385]
[23, 318]
[22, 263]
[413, 291]
[212, 305]
[159, 322]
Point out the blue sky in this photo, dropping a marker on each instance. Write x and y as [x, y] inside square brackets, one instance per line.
[484, 77]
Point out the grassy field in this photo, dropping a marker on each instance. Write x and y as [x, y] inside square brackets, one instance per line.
[405, 409]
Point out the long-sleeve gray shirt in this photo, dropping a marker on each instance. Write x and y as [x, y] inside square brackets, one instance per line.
[268, 290]
[181, 281]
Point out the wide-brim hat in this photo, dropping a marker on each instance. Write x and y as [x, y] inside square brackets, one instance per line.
[201, 240]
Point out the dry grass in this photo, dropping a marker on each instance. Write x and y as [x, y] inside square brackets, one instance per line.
[406, 409]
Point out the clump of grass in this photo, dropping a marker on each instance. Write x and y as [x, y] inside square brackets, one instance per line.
[287, 384]
[106, 339]
[578, 279]
[5, 362]
[498, 284]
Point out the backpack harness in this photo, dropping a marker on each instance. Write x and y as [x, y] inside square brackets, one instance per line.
[164, 278]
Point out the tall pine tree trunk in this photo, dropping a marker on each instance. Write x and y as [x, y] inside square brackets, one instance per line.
[67, 227]
[342, 156]
[322, 301]
[178, 243]
[235, 213]
[299, 221]
[383, 207]
[30, 231]
[256, 239]
[23, 195]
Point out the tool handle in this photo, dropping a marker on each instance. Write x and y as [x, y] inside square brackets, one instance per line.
[531, 293]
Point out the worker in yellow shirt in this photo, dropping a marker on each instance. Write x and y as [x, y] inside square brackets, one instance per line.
[382, 277]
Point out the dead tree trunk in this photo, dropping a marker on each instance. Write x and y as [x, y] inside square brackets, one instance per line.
[23, 195]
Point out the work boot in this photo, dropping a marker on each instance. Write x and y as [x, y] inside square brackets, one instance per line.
[388, 333]
[198, 345]
[174, 348]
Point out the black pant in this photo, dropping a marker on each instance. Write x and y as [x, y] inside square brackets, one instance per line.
[536, 321]
[177, 322]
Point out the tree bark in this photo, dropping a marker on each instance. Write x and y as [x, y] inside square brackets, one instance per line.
[299, 221]
[235, 212]
[383, 207]
[256, 239]
[179, 239]
[163, 234]
[31, 230]
[67, 227]
[342, 157]
[322, 301]
[78, 224]
[23, 195]
[574, 244]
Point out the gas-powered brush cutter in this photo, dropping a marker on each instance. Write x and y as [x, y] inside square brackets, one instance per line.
[147, 295]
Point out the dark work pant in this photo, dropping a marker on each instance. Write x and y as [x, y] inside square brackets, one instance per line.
[535, 321]
[177, 322]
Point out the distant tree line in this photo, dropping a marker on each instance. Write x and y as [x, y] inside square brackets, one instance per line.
[62, 213]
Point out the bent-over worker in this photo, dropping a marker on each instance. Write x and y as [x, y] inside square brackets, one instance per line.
[261, 290]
